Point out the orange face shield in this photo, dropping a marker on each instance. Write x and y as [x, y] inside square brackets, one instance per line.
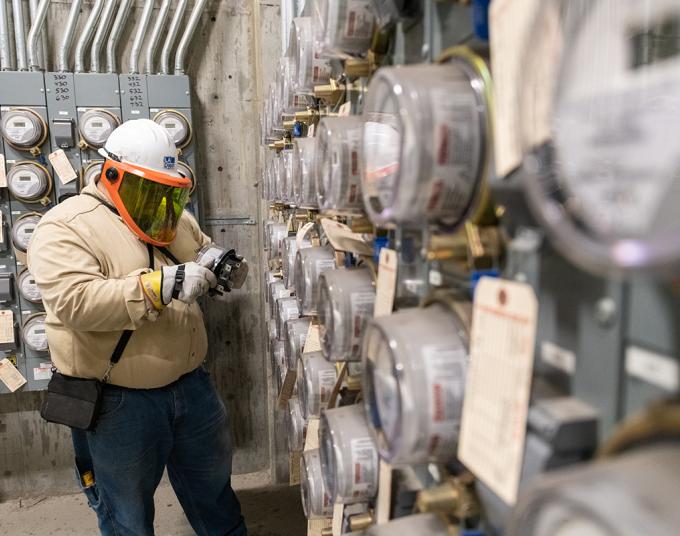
[150, 202]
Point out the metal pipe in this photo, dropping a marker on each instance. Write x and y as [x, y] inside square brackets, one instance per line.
[69, 33]
[183, 46]
[100, 34]
[5, 53]
[86, 35]
[19, 37]
[139, 37]
[32, 9]
[114, 37]
[172, 36]
[39, 16]
[152, 45]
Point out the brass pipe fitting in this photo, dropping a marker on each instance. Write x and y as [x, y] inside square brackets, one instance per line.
[360, 522]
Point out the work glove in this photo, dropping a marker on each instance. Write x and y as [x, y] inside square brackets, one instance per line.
[185, 282]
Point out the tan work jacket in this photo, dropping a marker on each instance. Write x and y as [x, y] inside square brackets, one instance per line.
[86, 263]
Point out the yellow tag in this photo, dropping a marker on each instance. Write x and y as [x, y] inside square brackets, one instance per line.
[313, 340]
[6, 326]
[493, 426]
[10, 376]
[62, 166]
[345, 109]
[3, 172]
[387, 283]
[342, 238]
[287, 389]
[312, 438]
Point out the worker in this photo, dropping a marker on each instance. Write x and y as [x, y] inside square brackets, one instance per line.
[115, 266]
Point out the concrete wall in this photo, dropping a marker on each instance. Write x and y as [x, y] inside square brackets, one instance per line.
[225, 66]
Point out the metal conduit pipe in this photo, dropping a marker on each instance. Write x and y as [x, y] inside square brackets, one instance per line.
[100, 34]
[41, 54]
[172, 36]
[114, 37]
[19, 37]
[34, 48]
[5, 54]
[86, 35]
[69, 33]
[152, 45]
[139, 37]
[183, 46]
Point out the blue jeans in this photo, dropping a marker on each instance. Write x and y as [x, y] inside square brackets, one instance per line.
[141, 431]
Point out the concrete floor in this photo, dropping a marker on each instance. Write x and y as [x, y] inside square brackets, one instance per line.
[268, 512]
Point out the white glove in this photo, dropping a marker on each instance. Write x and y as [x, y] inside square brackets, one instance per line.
[198, 279]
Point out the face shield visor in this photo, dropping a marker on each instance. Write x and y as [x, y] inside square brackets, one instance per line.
[150, 202]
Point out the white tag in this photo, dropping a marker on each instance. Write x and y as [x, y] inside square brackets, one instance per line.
[6, 326]
[496, 403]
[313, 341]
[10, 376]
[387, 283]
[338, 512]
[43, 372]
[383, 503]
[3, 172]
[345, 110]
[657, 369]
[557, 357]
[342, 238]
[62, 166]
[312, 439]
[302, 233]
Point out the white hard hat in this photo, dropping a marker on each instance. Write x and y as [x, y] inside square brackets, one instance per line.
[143, 143]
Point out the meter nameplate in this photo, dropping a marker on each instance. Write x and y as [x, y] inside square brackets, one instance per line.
[43, 372]
[387, 283]
[3, 172]
[9, 375]
[655, 369]
[62, 166]
[312, 340]
[560, 358]
[496, 403]
[6, 327]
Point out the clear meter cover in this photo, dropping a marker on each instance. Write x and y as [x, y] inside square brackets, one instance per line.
[309, 265]
[349, 457]
[425, 142]
[420, 524]
[33, 333]
[28, 288]
[316, 379]
[286, 309]
[295, 336]
[276, 233]
[343, 28]
[23, 128]
[310, 68]
[177, 125]
[346, 298]
[23, 230]
[286, 173]
[96, 125]
[316, 502]
[304, 181]
[338, 163]
[276, 290]
[291, 101]
[289, 253]
[600, 117]
[29, 182]
[91, 173]
[278, 358]
[415, 365]
[295, 426]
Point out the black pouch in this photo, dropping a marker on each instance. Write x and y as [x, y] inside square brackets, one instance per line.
[74, 402]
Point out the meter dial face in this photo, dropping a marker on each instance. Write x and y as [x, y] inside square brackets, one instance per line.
[92, 172]
[28, 181]
[602, 170]
[34, 334]
[23, 229]
[96, 126]
[28, 288]
[23, 128]
[177, 125]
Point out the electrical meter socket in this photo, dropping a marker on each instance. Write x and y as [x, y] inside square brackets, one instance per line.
[415, 365]
[286, 309]
[601, 154]
[420, 524]
[30, 182]
[27, 287]
[310, 263]
[23, 128]
[289, 252]
[316, 379]
[276, 232]
[295, 336]
[177, 125]
[304, 182]
[316, 502]
[276, 290]
[91, 173]
[33, 333]
[96, 125]
[345, 304]
[295, 426]
[338, 163]
[343, 28]
[310, 68]
[349, 457]
[426, 141]
[22, 230]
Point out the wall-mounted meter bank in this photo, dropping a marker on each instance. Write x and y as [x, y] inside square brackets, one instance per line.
[23, 128]
[96, 125]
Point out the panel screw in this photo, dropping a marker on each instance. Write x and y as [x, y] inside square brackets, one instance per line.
[605, 312]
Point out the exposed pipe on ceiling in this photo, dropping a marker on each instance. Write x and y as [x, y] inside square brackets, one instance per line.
[155, 38]
[100, 34]
[86, 35]
[183, 46]
[5, 52]
[172, 36]
[19, 37]
[114, 37]
[69, 34]
[139, 37]
[34, 44]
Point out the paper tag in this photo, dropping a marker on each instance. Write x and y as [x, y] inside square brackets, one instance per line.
[496, 403]
[312, 439]
[338, 514]
[386, 286]
[313, 340]
[3, 172]
[345, 110]
[62, 166]
[2, 227]
[6, 326]
[342, 238]
[43, 372]
[311, 130]
[294, 467]
[10, 376]
[653, 368]
[558, 357]
[302, 233]
[287, 388]
[384, 501]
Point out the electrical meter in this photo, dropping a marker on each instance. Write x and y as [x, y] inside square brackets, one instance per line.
[420, 524]
[415, 364]
[295, 336]
[291, 101]
[286, 170]
[33, 333]
[95, 126]
[286, 309]
[91, 173]
[29, 182]
[295, 425]
[177, 125]
[23, 229]
[278, 358]
[349, 458]
[23, 128]
[310, 68]
[289, 251]
[304, 182]
[186, 170]
[600, 140]
[275, 233]
[316, 379]
[276, 290]
[27, 287]
[345, 303]
[343, 27]
[338, 163]
[316, 502]
[309, 264]
[426, 141]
